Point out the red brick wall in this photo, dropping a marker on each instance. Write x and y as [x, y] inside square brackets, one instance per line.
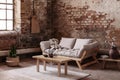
[97, 19]
[87, 19]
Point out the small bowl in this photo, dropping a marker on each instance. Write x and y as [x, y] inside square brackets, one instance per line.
[45, 55]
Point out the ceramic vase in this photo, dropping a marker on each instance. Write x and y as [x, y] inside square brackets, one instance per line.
[114, 53]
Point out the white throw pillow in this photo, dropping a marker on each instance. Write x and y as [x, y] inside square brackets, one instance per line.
[81, 42]
[91, 45]
[67, 42]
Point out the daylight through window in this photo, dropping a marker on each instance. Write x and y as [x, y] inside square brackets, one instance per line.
[6, 14]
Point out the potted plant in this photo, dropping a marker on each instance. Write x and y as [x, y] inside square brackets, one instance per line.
[12, 59]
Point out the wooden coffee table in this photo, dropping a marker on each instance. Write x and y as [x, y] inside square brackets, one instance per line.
[56, 59]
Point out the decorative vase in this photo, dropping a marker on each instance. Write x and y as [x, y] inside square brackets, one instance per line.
[114, 53]
[51, 55]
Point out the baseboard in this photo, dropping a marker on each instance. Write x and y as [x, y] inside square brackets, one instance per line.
[21, 51]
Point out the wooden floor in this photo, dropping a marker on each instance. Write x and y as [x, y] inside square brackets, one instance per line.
[95, 70]
[23, 63]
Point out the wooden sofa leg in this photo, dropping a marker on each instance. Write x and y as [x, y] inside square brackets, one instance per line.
[79, 65]
[95, 59]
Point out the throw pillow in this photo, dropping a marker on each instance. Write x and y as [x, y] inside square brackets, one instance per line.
[54, 43]
[81, 42]
[91, 45]
[67, 42]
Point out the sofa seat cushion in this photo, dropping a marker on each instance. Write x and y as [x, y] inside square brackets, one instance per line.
[49, 51]
[81, 42]
[67, 42]
[68, 52]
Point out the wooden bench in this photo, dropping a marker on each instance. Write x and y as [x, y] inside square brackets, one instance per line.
[110, 60]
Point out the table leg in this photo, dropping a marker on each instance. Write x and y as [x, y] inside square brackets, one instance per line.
[118, 65]
[104, 62]
[37, 65]
[59, 69]
[44, 62]
[65, 68]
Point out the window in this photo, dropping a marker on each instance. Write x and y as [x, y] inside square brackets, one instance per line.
[6, 14]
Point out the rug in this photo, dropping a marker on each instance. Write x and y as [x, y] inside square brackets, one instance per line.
[30, 73]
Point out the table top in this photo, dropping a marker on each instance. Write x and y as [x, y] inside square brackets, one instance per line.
[110, 59]
[54, 59]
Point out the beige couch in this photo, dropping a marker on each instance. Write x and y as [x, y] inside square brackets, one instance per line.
[75, 49]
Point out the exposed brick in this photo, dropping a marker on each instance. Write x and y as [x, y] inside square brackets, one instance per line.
[81, 21]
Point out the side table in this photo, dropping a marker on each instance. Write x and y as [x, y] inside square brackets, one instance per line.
[110, 60]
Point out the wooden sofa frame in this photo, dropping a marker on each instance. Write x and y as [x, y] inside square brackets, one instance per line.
[80, 60]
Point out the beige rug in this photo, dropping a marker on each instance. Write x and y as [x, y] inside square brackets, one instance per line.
[29, 73]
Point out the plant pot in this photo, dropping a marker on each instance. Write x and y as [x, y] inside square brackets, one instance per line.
[13, 61]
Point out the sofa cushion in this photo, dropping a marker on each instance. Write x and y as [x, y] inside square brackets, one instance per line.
[49, 51]
[68, 52]
[67, 42]
[81, 42]
[91, 45]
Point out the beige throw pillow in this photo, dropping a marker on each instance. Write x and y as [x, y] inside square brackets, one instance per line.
[91, 45]
[67, 42]
[81, 42]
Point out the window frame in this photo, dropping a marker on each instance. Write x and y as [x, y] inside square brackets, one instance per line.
[6, 19]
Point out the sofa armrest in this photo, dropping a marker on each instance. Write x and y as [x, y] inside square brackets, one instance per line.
[91, 49]
[44, 45]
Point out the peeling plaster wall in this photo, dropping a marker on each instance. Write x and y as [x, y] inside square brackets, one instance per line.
[96, 19]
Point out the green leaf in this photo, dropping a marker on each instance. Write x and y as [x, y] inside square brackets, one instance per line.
[12, 52]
